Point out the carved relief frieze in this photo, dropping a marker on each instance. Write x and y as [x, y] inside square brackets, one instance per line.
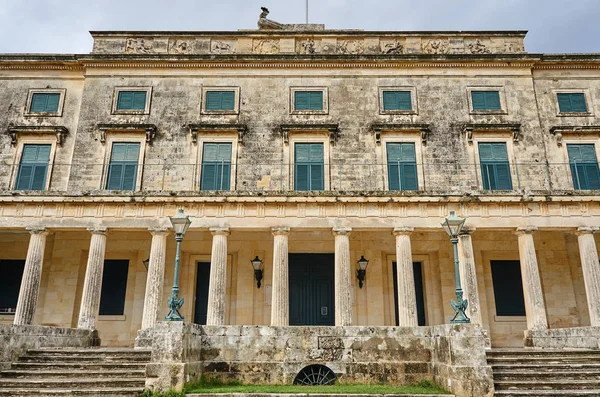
[179, 46]
[512, 47]
[350, 46]
[308, 46]
[392, 47]
[138, 46]
[477, 47]
[435, 46]
[222, 46]
[265, 46]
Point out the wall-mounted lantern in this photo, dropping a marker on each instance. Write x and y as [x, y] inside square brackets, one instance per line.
[361, 272]
[146, 262]
[257, 265]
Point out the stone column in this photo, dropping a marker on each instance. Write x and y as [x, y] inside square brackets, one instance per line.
[591, 272]
[468, 275]
[156, 277]
[218, 277]
[32, 275]
[92, 286]
[280, 303]
[532, 285]
[343, 297]
[407, 299]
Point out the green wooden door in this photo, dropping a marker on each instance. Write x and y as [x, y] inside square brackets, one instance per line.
[202, 280]
[311, 282]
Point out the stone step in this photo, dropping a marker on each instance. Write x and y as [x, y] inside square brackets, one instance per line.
[547, 367]
[546, 393]
[103, 392]
[90, 351]
[58, 373]
[544, 375]
[71, 384]
[79, 358]
[497, 353]
[558, 384]
[545, 360]
[90, 366]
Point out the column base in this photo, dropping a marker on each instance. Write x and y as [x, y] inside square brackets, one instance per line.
[564, 338]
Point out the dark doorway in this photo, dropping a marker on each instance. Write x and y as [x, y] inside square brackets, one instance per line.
[311, 289]
[418, 275]
[202, 280]
[11, 273]
[508, 288]
[114, 287]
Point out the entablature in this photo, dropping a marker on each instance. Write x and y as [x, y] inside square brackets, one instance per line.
[559, 130]
[423, 129]
[332, 129]
[16, 130]
[471, 128]
[149, 129]
[217, 128]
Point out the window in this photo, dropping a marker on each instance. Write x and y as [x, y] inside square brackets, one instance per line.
[308, 166]
[220, 100]
[131, 100]
[584, 166]
[486, 100]
[402, 166]
[11, 273]
[44, 103]
[397, 100]
[114, 286]
[508, 288]
[122, 170]
[33, 168]
[495, 169]
[571, 103]
[216, 166]
[308, 100]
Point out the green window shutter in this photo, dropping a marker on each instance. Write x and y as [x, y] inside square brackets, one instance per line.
[404, 100]
[41, 102]
[409, 177]
[316, 177]
[584, 166]
[139, 100]
[122, 170]
[571, 103]
[402, 166]
[564, 103]
[478, 100]
[389, 100]
[308, 100]
[52, 102]
[495, 167]
[125, 100]
[397, 100]
[485, 100]
[492, 100]
[220, 100]
[394, 176]
[309, 168]
[227, 100]
[216, 166]
[209, 177]
[316, 100]
[301, 177]
[33, 167]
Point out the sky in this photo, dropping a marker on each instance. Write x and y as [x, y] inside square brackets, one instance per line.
[62, 26]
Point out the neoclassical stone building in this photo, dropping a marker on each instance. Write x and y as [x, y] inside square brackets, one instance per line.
[307, 148]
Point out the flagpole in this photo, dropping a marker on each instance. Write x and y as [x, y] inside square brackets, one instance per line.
[307, 11]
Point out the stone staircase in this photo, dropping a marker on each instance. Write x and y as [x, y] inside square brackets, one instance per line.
[76, 372]
[545, 372]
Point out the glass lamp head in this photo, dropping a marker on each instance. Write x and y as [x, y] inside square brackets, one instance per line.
[180, 222]
[453, 224]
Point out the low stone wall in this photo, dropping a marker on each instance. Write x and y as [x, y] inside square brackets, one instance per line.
[15, 340]
[451, 356]
[564, 338]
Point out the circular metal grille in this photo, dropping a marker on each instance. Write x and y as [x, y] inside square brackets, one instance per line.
[315, 375]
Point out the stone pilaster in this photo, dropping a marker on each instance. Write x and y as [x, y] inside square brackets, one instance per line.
[218, 277]
[156, 278]
[92, 286]
[532, 285]
[32, 275]
[343, 292]
[280, 303]
[591, 272]
[407, 300]
[468, 275]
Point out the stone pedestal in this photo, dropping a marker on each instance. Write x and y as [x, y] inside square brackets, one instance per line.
[343, 292]
[532, 285]
[155, 279]
[591, 272]
[218, 277]
[468, 275]
[32, 275]
[407, 300]
[92, 286]
[280, 304]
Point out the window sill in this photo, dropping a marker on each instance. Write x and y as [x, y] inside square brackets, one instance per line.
[43, 114]
[488, 112]
[510, 319]
[405, 112]
[112, 318]
[130, 112]
[220, 112]
[575, 114]
[309, 112]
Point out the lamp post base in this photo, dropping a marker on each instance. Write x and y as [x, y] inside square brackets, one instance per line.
[460, 305]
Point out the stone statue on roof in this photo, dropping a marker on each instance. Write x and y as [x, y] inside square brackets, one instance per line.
[267, 24]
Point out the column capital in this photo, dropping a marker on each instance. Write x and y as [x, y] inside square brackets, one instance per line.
[526, 230]
[280, 231]
[219, 231]
[403, 230]
[37, 230]
[342, 231]
[586, 230]
[97, 230]
[158, 231]
[467, 230]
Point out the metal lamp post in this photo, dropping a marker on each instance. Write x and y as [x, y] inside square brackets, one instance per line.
[180, 223]
[453, 225]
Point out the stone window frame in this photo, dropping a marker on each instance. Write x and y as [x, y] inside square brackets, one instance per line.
[117, 136]
[236, 103]
[61, 102]
[588, 102]
[212, 137]
[402, 137]
[487, 257]
[493, 137]
[128, 306]
[428, 288]
[117, 90]
[578, 140]
[501, 93]
[193, 259]
[413, 99]
[324, 90]
[300, 136]
[38, 139]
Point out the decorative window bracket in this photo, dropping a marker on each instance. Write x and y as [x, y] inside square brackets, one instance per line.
[515, 129]
[194, 129]
[60, 132]
[558, 131]
[332, 129]
[424, 129]
[150, 130]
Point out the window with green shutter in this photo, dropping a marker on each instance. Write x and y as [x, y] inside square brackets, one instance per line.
[44, 103]
[33, 168]
[397, 100]
[308, 100]
[220, 100]
[495, 168]
[486, 100]
[584, 166]
[571, 103]
[309, 168]
[216, 166]
[402, 166]
[131, 100]
[123, 167]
